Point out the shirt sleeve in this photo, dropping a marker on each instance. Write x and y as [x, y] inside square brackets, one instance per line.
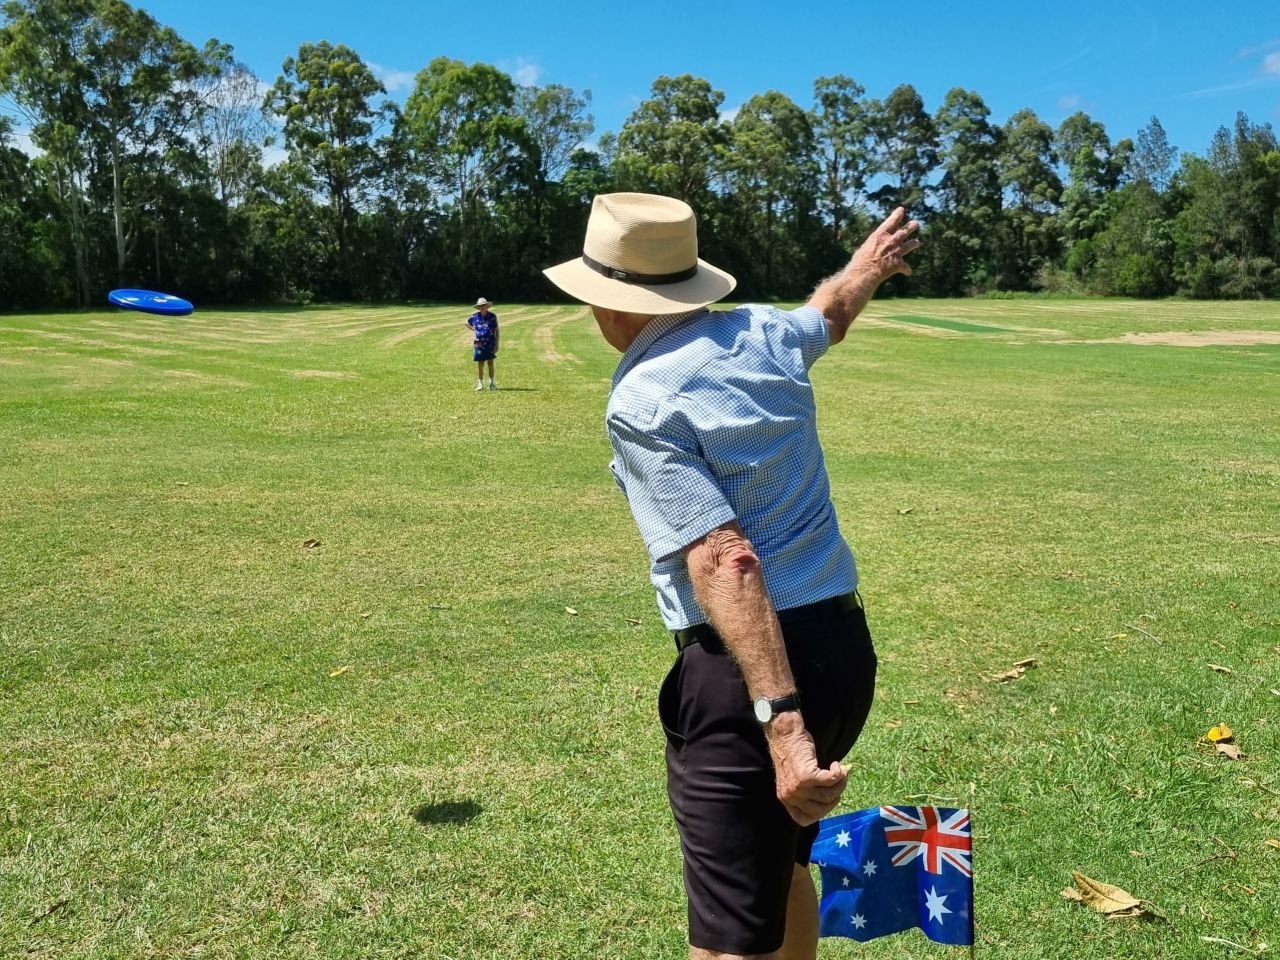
[672, 492]
[811, 325]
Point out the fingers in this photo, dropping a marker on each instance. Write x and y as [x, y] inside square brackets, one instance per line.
[894, 220]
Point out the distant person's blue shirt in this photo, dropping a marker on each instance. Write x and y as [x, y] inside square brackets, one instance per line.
[484, 327]
[712, 419]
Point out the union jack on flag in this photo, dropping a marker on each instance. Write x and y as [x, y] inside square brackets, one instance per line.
[888, 869]
[921, 832]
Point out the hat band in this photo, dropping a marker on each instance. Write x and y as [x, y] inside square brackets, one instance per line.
[628, 276]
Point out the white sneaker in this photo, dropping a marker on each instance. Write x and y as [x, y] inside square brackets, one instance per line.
[492, 385]
[479, 384]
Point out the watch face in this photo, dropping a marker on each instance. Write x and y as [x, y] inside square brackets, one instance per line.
[764, 710]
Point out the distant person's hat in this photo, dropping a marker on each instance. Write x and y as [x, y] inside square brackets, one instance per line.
[640, 255]
[482, 302]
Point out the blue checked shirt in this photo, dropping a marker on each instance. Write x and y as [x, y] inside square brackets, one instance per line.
[712, 419]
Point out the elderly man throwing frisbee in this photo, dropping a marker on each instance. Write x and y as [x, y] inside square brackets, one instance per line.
[712, 423]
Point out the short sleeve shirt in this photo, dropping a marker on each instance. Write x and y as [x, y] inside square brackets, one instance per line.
[712, 419]
[485, 327]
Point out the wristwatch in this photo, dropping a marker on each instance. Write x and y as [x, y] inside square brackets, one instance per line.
[767, 709]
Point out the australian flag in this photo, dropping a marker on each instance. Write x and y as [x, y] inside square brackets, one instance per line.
[889, 869]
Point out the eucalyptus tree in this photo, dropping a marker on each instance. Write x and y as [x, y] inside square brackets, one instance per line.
[772, 183]
[462, 122]
[1032, 191]
[965, 228]
[326, 96]
[843, 136]
[906, 143]
[672, 142]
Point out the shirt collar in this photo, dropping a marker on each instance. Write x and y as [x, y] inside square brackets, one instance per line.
[652, 331]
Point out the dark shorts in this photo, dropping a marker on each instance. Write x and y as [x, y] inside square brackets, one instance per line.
[740, 845]
[485, 350]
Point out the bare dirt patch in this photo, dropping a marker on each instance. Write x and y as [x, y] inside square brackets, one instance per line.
[1195, 338]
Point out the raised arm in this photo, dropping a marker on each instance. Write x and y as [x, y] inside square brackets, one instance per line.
[729, 584]
[842, 297]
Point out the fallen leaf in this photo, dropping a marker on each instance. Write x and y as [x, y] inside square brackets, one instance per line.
[893, 724]
[905, 510]
[184, 483]
[570, 611]
[1276, 692]
[1118, 636]
[340, 671]
[633, 621]
[1274, 844]
[1107, 899]
[1217, 668]
[1019, 668]
[1229, 750]
[310, 543]
[911, 703]
[1220, 733]
[439, 606]
[366, 616]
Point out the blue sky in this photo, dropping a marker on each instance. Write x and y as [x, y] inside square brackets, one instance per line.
[1193, 63]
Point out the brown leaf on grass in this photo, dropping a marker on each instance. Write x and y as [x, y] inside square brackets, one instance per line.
[340, 671]
[310, 543]
[905, 510]
[893, 724]
[1275, 844]
[1019, 669]
[1229, 750]
[1109, 900]
[633, 621]
[1219, 733]
[1218, 668]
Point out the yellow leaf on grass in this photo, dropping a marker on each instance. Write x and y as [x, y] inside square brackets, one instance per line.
[1274, 843]
[570, 611]
[1219, 734]
[1219, 668]
[340, 671]
[1105, 898]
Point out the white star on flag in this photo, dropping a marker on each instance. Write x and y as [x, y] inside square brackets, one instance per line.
[859, 921]
[935, 904]
[842, 838]
[869, 868]
[845, 881]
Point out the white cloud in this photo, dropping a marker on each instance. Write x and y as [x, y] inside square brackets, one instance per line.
[393, 80]
[1271, 63]
[1069, 102]
[526, 74]
[728, 116]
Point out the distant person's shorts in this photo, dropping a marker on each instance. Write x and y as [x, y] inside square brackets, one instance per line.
[740, 845]
[485, 350]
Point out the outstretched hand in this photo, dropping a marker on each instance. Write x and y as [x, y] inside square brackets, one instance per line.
[882, 253]
[807, 791]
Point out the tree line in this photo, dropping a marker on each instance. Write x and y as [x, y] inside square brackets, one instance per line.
[151, 171]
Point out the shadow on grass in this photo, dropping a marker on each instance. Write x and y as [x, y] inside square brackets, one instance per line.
[448, 813]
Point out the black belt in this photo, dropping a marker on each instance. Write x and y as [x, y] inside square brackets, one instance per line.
[702, 632]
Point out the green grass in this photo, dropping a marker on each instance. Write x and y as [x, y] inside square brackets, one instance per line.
[183, 777]
[956, 326]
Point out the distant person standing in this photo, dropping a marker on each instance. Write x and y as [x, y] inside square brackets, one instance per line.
[484, 324]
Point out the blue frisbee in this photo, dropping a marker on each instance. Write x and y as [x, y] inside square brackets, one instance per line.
[148, 301]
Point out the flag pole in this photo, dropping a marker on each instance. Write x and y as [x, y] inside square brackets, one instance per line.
[973, 900]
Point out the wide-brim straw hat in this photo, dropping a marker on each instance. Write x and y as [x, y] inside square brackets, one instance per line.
[640, 255]
[482, 302]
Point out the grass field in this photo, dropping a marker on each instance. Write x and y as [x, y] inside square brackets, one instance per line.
[220, 743]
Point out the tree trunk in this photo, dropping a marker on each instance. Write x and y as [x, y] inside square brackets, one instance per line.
[116, 190]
